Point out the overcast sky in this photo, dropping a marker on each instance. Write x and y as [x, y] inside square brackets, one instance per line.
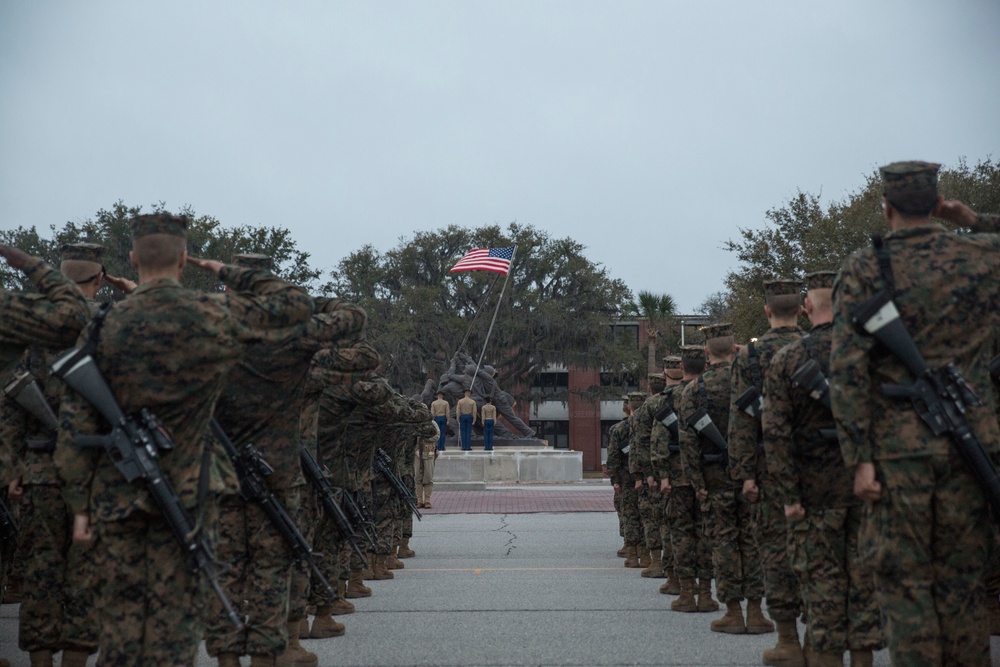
[648, 131]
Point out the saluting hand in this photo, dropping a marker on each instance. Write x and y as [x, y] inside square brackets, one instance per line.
[210, 265]
[955, 212]
[16, 257]
[124, 284]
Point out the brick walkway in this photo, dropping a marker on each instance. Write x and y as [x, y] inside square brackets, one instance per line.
[521, 501]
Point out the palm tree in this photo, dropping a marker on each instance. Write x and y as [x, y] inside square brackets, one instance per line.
[659, 311]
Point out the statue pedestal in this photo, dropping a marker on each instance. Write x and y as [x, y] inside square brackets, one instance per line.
[510, 464]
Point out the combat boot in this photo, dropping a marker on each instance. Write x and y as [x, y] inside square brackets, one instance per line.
[757, 624]
[705, 601]
[623, 551]
[341, 606]
[732, 623]
[427, 497]
[225, 659]
[304, 627]
[672, 586]
[632, 556]
[404, 550]
[40, 658]
[262, 661]
[655, 568]
[862, 658]
[295, 655]
[826, 660]
[686, 602]
[391, 561]
[74, 658]
[323, 625]
[420, 497]
[787, 652]
[643, 556]
[380, 568]
[356, 586]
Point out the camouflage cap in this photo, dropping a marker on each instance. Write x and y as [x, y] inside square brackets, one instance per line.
[252, 260]
[781, 286]
[692, 353]
[159, 223]
[720, 330]
[820, 280]
[671, 362]
[83, 252]
[911, 186]
[637, 397]
[654, 376]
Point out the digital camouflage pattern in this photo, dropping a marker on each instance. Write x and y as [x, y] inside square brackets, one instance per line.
[168, 349]
[262, 406]
[837, 589]
[735, 558]
[650, 501]
[931, 528]
[618, 471]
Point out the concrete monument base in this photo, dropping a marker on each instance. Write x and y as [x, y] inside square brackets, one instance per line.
[510, 464]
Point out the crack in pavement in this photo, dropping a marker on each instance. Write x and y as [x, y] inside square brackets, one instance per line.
[503, 528]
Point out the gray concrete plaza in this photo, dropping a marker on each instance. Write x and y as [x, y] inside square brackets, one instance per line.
[516, 589]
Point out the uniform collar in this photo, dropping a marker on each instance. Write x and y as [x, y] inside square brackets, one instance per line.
[159, 283]
[910, 232]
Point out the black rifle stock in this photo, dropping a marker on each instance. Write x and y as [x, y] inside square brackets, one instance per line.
[383, 466]
[939, 397]
[252, 469]
[328, 494]
[751, 402]
[666, 416]
[702, 423]
[133, 447]
[24, 391]
[809, 376]
[362, 516]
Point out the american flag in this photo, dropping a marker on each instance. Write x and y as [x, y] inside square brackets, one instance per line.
[496, 260]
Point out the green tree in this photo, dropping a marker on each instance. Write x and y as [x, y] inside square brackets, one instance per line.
[658, 310]
[206, 238]
[802, 236]
[557, 307]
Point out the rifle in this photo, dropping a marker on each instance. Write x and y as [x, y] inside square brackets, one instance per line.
[940, 397]
[328, 493]
[134, 445]
[702, 423]
[24, 391]
[361, 516]
[8, 524]
[809, 376]
[383, 466]
[751, 402]
[252, 469]
[666, 416]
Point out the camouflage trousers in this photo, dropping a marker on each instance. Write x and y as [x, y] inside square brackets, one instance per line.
[630, 515]
[618, 511]
[781, 586]
[929, 544]
[384, 507]
[153, 607]
[837, 590]
[299, 584]
[649, 514]
[258, 580]
[406, 520]
[665, 529]
[689, 540]
[59, 596]
[735, 557]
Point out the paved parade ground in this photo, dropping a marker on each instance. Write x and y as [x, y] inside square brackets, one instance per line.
[533, 588]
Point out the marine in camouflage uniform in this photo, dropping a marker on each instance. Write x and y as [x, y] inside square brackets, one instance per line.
[735, 557]
[807, 476]
[169, 350]
[650, 501]
[624, 485]
[691, 544]
[747, 463]
[57, 606]
[261, 406]
[420, 431]
[930, 521]
[660, 439]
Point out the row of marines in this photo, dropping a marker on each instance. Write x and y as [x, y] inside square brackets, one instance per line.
[800, 468]
[258, 385]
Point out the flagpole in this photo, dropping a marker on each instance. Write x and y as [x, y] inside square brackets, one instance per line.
[495, 311]
[476, 316]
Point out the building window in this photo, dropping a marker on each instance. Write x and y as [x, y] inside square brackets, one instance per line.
[626, 381]
[550, 383]
[555, 431]
[628, 333]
